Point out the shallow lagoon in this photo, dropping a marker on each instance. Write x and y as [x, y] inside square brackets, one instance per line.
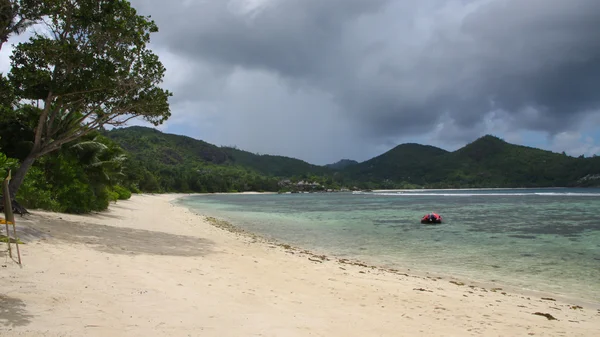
[545, 240]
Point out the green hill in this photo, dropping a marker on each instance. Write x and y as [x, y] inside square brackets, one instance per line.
[342, 164]
[181, 163]
[496, 162]
[486, 162]
[167, 162]
[406, 163]
[155, 147]
[278, 166]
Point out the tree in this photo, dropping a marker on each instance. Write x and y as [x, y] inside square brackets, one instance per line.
[101, 158]
[16, 16]
[90, 67]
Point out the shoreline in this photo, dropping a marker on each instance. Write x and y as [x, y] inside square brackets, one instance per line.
[419, 273]
[150, 267]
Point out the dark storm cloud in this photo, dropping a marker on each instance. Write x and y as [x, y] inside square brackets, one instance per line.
[539, 54]
[387, 69]
[297, 38]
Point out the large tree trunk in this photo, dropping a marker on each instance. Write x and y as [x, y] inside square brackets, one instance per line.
[15, 183]
[19, 175]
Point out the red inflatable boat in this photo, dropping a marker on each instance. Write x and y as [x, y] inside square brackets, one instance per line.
[431, 218]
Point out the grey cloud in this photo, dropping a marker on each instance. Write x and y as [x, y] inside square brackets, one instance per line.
[389, 68]
[293, 37]
[539, 54]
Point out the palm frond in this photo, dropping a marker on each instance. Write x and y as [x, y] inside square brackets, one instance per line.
[89, 146]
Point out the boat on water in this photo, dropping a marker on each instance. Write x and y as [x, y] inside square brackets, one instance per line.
[431, 218]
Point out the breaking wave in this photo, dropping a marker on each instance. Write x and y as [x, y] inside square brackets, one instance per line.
[484, 194]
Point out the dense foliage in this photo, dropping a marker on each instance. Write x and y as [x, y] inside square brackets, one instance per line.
[486, 162]
[163, 162]
[87, 174]
[6, 164]
[83, 176]
[17, 15]
[87, 66]
[176, 163]
[405, 166]
[342, 164]
[73, 180]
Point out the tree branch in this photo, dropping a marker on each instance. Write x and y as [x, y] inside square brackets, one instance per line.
[55, 145]
[42, 121]
[50, 123]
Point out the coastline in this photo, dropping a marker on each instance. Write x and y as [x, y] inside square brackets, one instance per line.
[149, 266]
[396, 269]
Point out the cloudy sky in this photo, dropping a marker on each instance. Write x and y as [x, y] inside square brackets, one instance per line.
[322, 80]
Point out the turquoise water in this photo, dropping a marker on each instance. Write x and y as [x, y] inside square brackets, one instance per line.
[544, 240]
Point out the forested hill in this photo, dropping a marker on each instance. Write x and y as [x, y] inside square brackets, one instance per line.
[486, 162]
[496, 162]
[85, 175]
[342, 164]
[405, 164]
[156, 149]
[279, 166]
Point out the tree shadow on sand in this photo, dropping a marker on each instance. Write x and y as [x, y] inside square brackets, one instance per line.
[13, 312]
[118, 240]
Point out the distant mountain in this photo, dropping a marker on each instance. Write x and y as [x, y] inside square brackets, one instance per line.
[490, 161]
[278, 166]
[408, 163]
[342, 164]
[487, 162]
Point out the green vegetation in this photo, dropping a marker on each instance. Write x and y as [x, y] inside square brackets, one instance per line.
[17, 15]
[279, 166]
[6, 164]
[88, 67]
[405, 166]
[486, 162]
[80, 178]
[342, 164]
[4, 239]
[162, 162]
[86, 175]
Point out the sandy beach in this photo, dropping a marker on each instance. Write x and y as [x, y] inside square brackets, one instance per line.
[148, 267]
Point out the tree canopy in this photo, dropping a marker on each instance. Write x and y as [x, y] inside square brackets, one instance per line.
[88, 67]
[17, 15]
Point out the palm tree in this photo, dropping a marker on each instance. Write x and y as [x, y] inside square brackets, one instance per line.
[102, 159]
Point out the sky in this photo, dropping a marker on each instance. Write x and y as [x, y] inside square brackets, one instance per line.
[322, 80]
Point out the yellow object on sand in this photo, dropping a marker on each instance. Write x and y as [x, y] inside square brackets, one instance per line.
[4, 222]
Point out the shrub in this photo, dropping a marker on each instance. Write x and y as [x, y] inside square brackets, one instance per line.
[122, 192]
[6, 164]
[35, 192]
[78, 198]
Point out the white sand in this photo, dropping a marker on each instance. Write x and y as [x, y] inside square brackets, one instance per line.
[132, 271]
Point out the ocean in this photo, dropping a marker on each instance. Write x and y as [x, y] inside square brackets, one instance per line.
[544, 240]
